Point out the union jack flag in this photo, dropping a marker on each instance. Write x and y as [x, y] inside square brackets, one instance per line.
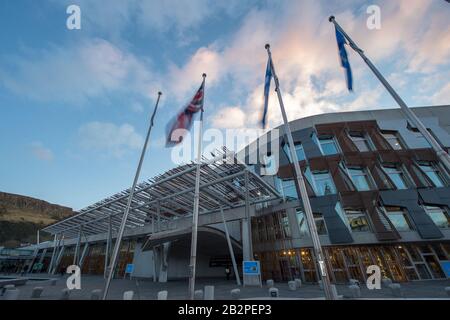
[183, 120]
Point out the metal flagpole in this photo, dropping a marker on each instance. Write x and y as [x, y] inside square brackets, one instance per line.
[113, 262]
[443, 156]
[193, 260]
[301, 187]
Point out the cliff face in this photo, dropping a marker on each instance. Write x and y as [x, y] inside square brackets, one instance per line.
[21, 217]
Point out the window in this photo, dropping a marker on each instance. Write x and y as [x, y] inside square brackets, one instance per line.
[323, 183]
[328, 145]
[398, 218]
[303, 225]
[396, 175]
[361, 141]
[432, 173]
[288, 189]
[360, 178]
[393, 139]
[355, 220]
[298, 150]
[439, 216]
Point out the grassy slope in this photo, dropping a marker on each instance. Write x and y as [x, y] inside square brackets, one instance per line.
[21, 217]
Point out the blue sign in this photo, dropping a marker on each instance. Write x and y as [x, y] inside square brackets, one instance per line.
[446, 267]
[129, 268]
[251, 268]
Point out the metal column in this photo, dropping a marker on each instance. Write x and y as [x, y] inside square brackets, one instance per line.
[49, 270]
[77, 248]
[247, 213]
[108, 246]
[230, 247]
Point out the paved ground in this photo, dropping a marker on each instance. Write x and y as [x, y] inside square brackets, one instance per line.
[146, 289]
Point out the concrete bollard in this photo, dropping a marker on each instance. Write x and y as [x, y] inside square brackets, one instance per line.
[65, 294]
[235, 294]
[292, 286]
[96, 294]
[320, 284]
[270, 283]
[128, 295]
[7, 287]
[447, 289]
[298, 282]
[353, 282]
[11, 294]
[198, 295]
[386, 282]
[396, 290]
[209, 293]
[273, 293]
[162, 295]
[355, 291]
[36, 293]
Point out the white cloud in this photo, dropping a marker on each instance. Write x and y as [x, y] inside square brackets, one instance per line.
[113, 139]
[229, 118]
[41, 152]
[442, 96]
[78, 73]
[305, 55]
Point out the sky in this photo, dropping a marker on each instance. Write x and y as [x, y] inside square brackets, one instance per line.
[75, 104]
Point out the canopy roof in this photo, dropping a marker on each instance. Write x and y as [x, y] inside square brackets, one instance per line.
[170, 196]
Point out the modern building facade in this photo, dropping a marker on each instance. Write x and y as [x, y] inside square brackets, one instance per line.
[378, 192]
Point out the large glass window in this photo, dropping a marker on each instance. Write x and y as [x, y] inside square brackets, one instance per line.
[323, 182]
[288, 189]
[355, 219]
[396, 175]
[361, 141]
[439, 216]
[303, 225]
[360, 178]
[393, 139]
[328, 145]
[432, 173]
[298, 150]
[399, 218]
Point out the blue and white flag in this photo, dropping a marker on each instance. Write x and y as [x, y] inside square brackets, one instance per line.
[266, 93]
[344, 59]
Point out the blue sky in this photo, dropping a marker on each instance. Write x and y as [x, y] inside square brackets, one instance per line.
[74, 104]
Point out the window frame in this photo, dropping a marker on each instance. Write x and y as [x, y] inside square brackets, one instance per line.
[314, 180]
[370, 181]
[429, 209]
[285, 148]
[359, 136]
[435, 169]
[403, 174]
[397, 136]
[327, 137]
[404, 214]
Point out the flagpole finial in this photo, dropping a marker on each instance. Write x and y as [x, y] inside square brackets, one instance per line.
[331, 18]
[267, 46]
[204, 75]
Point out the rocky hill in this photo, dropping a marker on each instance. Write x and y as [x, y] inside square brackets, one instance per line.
[21, 217]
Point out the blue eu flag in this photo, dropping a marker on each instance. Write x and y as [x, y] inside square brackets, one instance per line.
[344, 59]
